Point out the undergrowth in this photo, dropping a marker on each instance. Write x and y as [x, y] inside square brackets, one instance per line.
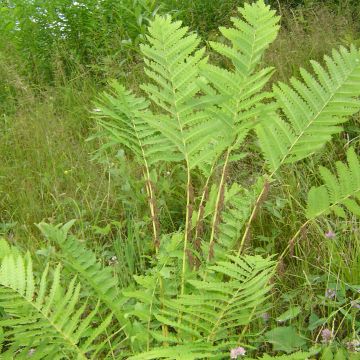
[209, 224]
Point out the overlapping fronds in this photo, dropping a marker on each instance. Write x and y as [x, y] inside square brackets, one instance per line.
[217, 308]
[123, 116]
[314, 109]
[340, 192]
[172, 61]
[44, 320]
[238, 203]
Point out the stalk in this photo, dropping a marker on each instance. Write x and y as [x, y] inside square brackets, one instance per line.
[218, 204]
[201, 209]
[292, 241]
[152, 206]
[187, 227]
[259, 201]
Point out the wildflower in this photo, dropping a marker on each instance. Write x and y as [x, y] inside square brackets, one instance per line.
[31, 352]
[330, 234]
[353, 345]
[355, 304]
[113, 260]
[326, 335]
[330, 293]
[235, 353]
[265, 317]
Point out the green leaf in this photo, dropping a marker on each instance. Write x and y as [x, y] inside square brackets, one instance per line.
[285, 339]
[289, 314]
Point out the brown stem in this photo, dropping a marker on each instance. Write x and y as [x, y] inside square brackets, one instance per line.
[259, 201]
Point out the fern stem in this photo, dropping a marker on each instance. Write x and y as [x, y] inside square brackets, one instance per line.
[201, 209]
[218, 204]
[187, 228]
[260, 199]
[291, 242]
[152, 206]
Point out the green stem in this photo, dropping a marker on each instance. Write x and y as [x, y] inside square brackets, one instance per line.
[218, 206]
[187, 229]
[252, 217]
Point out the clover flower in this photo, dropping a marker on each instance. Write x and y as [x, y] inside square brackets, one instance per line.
[235, 353]
[330, 234]
[330, 293]
[326, 335]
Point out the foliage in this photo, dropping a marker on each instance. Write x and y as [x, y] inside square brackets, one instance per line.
[200, 291]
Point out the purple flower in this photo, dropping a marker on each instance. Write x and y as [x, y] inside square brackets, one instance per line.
[330, 234]
[265, 317]
[235, 353]
[330, 293]
[326, 335]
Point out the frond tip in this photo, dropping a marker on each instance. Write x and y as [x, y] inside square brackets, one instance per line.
[340, 191]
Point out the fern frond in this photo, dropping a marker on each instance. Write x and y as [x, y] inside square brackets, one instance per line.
[340, 192]
[314, 109]
[46, 319]
[123, 116]
[83, 263]
[172, 63]
[238, 203]
[249, 38]
[190, 351]
[227, 300]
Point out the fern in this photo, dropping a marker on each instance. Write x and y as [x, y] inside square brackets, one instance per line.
[123, 116]
[172, 62]
[212, 315]
[82, 262]
[314, 109]
[46, 319]
[340, 191]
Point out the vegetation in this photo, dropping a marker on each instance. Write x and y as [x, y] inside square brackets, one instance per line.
[216, 203]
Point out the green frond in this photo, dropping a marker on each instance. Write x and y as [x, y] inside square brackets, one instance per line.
[229, 298]
[238, 204]
[123, 117]
[82, 262]
[242, 87]
[172, 60]
[44, 319]
[190, 351]
[341, 191]
[251, 36]
[314, 109]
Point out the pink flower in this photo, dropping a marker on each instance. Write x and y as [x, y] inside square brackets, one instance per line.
[235, 353]
[330, 234]
[326, 335]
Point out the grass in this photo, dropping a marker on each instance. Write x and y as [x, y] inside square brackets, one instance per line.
[47, 172]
